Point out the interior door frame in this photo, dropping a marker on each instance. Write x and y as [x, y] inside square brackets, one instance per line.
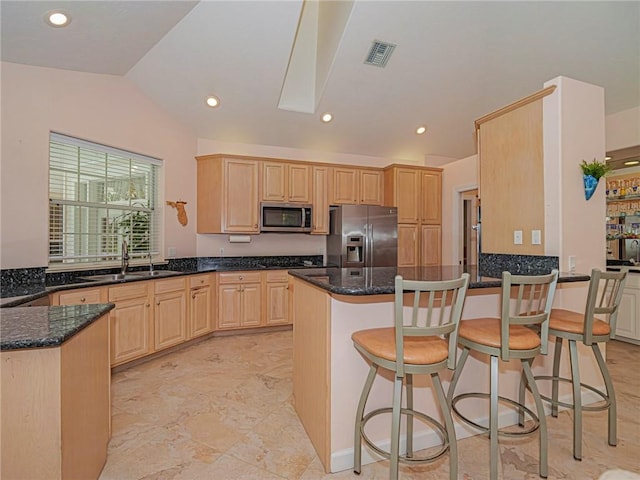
[458, 220]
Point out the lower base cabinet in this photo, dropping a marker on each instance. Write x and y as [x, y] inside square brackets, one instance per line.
[57, 408]
[169, 313]
[131, 328]
[277, 298]
[239, 300]
[628, 321]
[201, 305]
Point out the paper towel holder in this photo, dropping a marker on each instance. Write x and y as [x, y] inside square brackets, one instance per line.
[239, 238]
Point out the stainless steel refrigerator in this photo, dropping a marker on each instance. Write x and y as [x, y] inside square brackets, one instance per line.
[362, 236]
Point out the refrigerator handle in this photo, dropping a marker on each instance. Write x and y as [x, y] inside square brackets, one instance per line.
[370, 246]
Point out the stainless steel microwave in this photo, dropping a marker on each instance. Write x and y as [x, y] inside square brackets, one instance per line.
[285, 217]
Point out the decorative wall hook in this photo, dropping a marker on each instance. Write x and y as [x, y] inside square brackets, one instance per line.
[182, 214]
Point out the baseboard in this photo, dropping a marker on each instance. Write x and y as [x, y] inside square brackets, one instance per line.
[343, 459]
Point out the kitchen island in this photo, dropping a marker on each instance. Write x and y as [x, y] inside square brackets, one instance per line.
[329, 304]
[56, 405]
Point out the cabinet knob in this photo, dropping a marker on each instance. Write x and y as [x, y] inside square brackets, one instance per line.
[148, 305]
[241, 277]
[201, 281]
[193, 296]
[157, 303]
[83, 299]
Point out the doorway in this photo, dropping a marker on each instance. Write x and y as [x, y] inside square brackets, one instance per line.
[468, 234]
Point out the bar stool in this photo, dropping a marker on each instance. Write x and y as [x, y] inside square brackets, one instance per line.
[426, 345]
[603, 298]
[504, 338]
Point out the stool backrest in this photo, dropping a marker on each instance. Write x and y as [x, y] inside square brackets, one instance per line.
[605, 293]
[439, 315]
[528, 304]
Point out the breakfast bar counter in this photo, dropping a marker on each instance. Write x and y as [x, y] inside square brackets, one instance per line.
[329, 304]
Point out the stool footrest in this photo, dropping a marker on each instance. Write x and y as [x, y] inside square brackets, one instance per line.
[587, 408]
[437, 426]
[502, 432]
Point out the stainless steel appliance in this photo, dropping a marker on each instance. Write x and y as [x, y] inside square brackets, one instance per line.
[285, 217]
[362, 236]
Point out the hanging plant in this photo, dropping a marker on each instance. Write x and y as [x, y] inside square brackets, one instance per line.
[591, 173]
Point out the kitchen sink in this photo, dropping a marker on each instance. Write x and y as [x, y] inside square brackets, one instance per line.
[110, 277]
[154, 273]
[129, 276]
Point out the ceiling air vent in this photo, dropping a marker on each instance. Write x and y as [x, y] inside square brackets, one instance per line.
[379, 53]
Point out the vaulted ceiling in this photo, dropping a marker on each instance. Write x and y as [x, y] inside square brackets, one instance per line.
[453, 62]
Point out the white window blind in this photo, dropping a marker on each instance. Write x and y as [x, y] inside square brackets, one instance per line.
[100, 196]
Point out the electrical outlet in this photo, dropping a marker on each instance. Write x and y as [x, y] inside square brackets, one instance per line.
[221, 252]
[536, 237]
[517, 237]
[171, 252]
[572, 263]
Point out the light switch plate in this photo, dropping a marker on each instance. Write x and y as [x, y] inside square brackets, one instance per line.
[517, 237]
[171, 252]
[536, 237]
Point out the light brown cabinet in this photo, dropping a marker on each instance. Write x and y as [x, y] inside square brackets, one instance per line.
[169, 313]
[81, 296]
[320, 221]
[276, 298]
[131, 330]
[201, 305]
[239, 300]
[356, 186]
[417, 193]
[286, 182]
[227, 195]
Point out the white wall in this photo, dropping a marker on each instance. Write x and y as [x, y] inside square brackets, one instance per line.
[622, 129]
[101, 108]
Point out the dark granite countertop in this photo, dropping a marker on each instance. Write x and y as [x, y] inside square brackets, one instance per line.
[380, 280]
[25, 285]
[41, 327]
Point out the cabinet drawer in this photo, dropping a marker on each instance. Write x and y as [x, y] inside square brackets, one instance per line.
[130, 290]
[277, 276]
[169, 285]
[199, 281]
[239, 277]
[80, 297]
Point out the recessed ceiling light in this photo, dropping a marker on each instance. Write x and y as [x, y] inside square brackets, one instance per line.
[213, 101]
[327, 117]
[421, 129]
[57, 18]
[630, 163]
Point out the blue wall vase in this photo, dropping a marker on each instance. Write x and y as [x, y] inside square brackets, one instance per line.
[590, 184]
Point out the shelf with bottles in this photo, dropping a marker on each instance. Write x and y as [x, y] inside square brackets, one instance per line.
[617, 231]
[623, 188]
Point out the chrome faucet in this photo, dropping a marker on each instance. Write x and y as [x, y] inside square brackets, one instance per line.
[125, 257]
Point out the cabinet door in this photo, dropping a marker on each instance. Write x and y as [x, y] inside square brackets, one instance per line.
[431, 198]
[200, 317]
[273, 182]
[229, 306]
[407, 193]
[320, 200]
[170, 313]
[130, 330]
[628, 314]
[251, 296]
[83, 296]
[371, 187]
[299, 182]
[407, 245]
[345, 186]
[277, 303]
[430, 245]
[241, 196]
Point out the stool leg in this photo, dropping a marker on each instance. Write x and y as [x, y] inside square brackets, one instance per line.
[456, 375]
[409, 385]
[395, 428]
[493, 420]
[613, 437]
[357, 445]
[521, 399]
[556, 374]
[577, 400]
[448, 422]
[526, 366]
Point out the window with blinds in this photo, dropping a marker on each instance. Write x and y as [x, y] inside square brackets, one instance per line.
[99, 197]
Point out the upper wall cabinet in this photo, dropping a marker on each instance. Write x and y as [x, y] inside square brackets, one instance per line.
[356, 186]
[511, 164]
[227, 195]
[320, 200]
[286, 182]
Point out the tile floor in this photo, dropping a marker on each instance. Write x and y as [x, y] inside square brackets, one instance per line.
[221, 409]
